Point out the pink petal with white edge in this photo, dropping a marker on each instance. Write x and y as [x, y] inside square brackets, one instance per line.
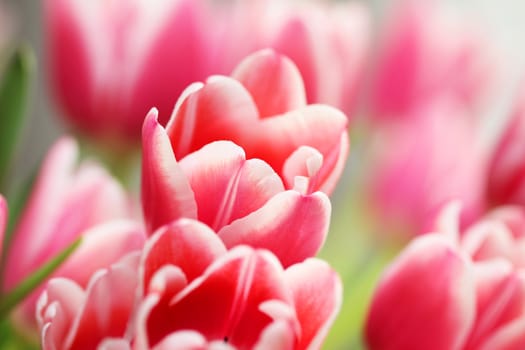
[279, 335]
[318, 293]
[166, 193]
[226, 185]
[43, 207]
[301, 169]
[108, 307]
[182, 340]
[500, 299]
[488, 239]
[209, 114]
[283, 332]
[291, 225]
[275, 139]
[402, 312]
[274, 82]
[114, 344]
[57, 307]
[511, 337]
[224, 302]
[108, 242]
[188, 244]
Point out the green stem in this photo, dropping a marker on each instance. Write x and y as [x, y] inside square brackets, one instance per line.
[10, 300]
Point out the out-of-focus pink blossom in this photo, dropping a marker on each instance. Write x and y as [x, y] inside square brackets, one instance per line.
[421, 165]
[70, 317]
[110, 62]
[506, 177]
[263, 109]
[67, 202]
[328, 42]
[424, 55]
[193, 294]
[447, 291]
[243, 200]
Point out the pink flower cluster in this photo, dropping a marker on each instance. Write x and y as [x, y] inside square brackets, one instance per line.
[235, 209]
[110, 63]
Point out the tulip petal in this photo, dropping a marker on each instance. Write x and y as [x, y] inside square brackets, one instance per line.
[109, 303]
[500, 299]
[227, 186]
[57, 308]
[318, 292]
[166, 193]
[510, 337]
[291, 225]
[273, 81]
[161, 78]
[114, 344]
[182, 340]
[444, 287]
[68, 61]
[210, 114]
[187, 244]
[275, 139]
[223, 304]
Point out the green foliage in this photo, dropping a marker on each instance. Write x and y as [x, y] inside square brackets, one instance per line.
[14, 91]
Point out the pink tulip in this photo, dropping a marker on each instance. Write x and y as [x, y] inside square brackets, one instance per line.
[244, 201]
[110, 62]
[262, 108]
[421, 165]
[68, 202]
[506, 178]
[451, 292]
[328, 43]
[70, 317]
[193, 294]
[425, 55]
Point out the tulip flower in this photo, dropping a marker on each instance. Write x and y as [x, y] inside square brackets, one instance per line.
[420, 166]
[243, 200]
[261, 108]
[70, 317]
[425, 55]
[110, 62]
[68, 202]
[447, 291]
[505, 183]
[328, 42]
[241, 298]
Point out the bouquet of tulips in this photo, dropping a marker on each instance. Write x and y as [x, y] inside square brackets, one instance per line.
[203, 194]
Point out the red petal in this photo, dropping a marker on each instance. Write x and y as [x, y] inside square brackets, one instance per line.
[226, 186]
[317, 291]
[425, 300]
[224, 302]
[290, 225]
[187, 244]
[273, 81]
[166, 193]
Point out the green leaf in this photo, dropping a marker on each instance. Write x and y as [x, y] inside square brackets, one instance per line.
[10, 300]
[14, 91]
